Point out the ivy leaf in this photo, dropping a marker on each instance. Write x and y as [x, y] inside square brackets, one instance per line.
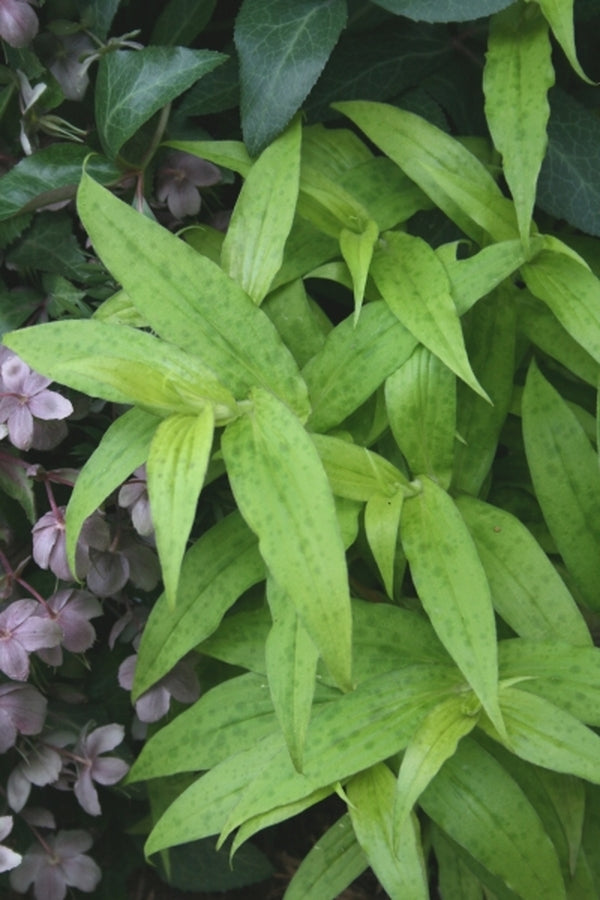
[181, 21]
[216, 570]
[397, 860]
[442, 10]
[252, 251]
[176, 467]
[477, 803]
[98, 15]
[49, 175]
[453, 588]
[123, 447]
[132, 85]
[332, 864]
[282, 53]
[568, 186]
[517, 76]
[564, 471]
[282, 491]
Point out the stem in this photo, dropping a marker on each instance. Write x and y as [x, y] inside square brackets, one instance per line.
[157, 137]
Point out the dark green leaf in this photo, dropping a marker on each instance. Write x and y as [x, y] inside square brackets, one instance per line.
[15, 483]
[50, 246]
[282, 50]
[330, 866]
[98, 15]
[443, 10]
[198, 866]
[132, 85]
[219, 90]
[181, 21]
[50, 175]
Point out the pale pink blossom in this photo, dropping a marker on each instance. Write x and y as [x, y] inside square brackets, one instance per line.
[72, 610]
[8, 858]
[42, 765]
[18, 22]
[91, 766]
[22, 711]
[23, 630]
[25, 398]
[60, 864]
[133, 496]
[181, 683]
[178, 180]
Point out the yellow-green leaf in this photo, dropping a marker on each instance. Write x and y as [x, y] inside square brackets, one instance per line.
[382, 521]
[559, 14]
[357, 250]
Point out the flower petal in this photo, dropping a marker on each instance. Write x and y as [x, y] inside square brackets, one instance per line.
[18, 23]
[102, 739]
[50, 405]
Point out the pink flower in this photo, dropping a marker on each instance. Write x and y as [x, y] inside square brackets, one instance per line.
[72, 610]
[41, 766]
[58, 865]
[178, 180]
[18, 22]
[8, 858]
[22, 710]
[25, 396]
[90, 767]
[181, 683]
[22, 631]
[50, 543]
[134, 497]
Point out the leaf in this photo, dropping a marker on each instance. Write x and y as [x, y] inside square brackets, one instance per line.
[229, 154]
[478, 275]
[331, 864]
[228, 719]
[181, 21]
[442, 167]
[121, 364]
[456, 880]
[50, 174]
[291, 658]
[565, 675]
[282, 491]
[281, 57]
[420, 399]
[547, 736]
[132, 85]
[398, 865]
[216, 570]
[49, 245]
[382, 521]
[568, 188]
[357, 251]
[384, 191]
[218, 324]
[15, 483]
[442, 10]
[517, 76]
[176, 467]
[413, 283]
[435, 740]
[353, 363]
[98, 15]
[476, 802]
[490, 336]
[123, 447]
[355, 472]
[526, 589]
[564, 471]
[252, 251]
[297, 320]
[559, 14]
[453, 588]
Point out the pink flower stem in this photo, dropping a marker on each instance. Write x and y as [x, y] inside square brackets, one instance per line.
[51, 499]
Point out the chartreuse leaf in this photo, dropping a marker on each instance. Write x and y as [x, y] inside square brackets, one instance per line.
[490, 337]
[559, 14]
[355, 472]
[346, 736]
[327, 205]
[217, 726]
[188, 300]
[281, 57]
[477, 803]
[229, 154]
[382, 521]
[219, 567]
[434, 741]
[474, 277]
[297, 321]
[547, 736]
[176, 467]
[565, 675]
[413, 283]
[517, 76]
[123, 365]
[357, 250]
[385, 191]
[123, 447]
[572, 292]
[353, 363]
[252, 251]
[564, 471]
[443, 168]
[291, 658]
[420, 399]
[333, 863]
[132, 86]
[527, 591]
[397, 863]
[453, 588]
[282, 491]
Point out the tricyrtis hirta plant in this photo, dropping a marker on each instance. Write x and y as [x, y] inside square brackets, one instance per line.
[359, 428]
